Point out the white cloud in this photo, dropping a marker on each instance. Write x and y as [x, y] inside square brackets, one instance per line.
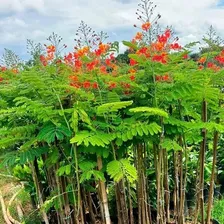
[36, 19]
[21, 5]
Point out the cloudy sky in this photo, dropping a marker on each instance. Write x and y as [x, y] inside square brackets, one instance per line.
[37, 19]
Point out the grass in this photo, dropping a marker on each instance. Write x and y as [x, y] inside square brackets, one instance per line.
[218, 211]
[7, 186]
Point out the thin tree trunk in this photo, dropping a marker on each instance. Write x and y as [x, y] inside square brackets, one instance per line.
[160, 203]
[181, 211]
[131, 216]
[176, 187]
[66, 200]
[120, 189]
[103, 194]
[60, 199]
[39, 193]
[200, 197]
[212, 180]
[90, 206]
[143, 212]
[166, 186]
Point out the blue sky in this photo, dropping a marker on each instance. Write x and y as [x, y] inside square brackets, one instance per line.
[221, 3]
[37, 19]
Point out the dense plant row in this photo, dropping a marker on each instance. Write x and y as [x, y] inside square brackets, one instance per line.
[97, 140]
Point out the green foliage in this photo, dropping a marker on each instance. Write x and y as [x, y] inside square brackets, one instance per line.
[126, 131]
[92, 138]
[119, 169]
[89, 172]
[217, 212]
[169, 144]
[64, 170]
[29, 155]
[147, 111]
[130, 44]
[50, 132]
[112, 107]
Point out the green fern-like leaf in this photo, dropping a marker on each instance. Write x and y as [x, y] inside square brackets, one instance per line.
[92, 138]
[87, 165]
[121, 169]
[64, 170]
[50, 131]
[29, 155]
[130, 44]
[87, 175]
[127, 131]
[147, 111]
[169, 144]
[112, 107]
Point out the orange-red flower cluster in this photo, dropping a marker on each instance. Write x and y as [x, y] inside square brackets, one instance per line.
[163, 78]
[213, 66]
[202, 60]
[50, 55]
[146, 26]
[133, 62]
[51, 49]
[220, 57]
[175, 46]
[102, 49]
[162, 58]
[86, 84]
[144, 51]
[2, 68]
[138, 36]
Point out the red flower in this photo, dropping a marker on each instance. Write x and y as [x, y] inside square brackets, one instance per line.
[210, 65]
[146, 26]
[15, 70]
[86, 84]
[43, 60]
[95, 85]
[78, 64]
[108, 61]
[1, 79]
[168, 33]
[98, 52]
[185, 56]
[132, 77]
[133, 62]
[144, 51]
[112, 85]
[51, 49]
[59, 61]
[68, 58]
[160, 58]
[76, 85]
[202, 60]
[74, 78]
[112, 56]
[158, 78]
[165, 77]
[138, 36]
[220, 58]
[175, 46]
[127, 92]
[162, 39]
[92, 65]
[126, 85]
[103, 69]
[3, 68]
